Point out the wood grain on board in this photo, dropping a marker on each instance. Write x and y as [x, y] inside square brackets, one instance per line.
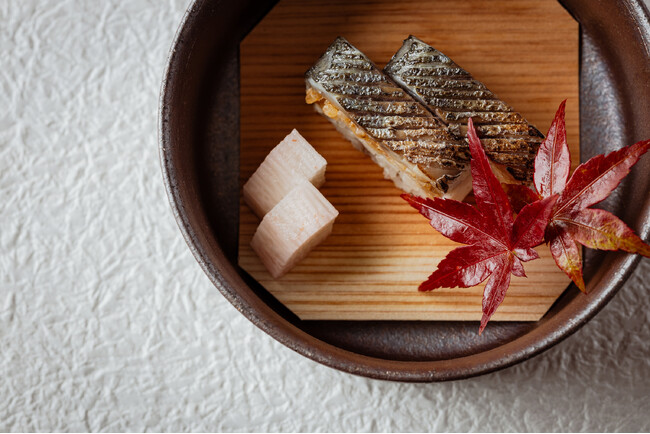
[381, 249]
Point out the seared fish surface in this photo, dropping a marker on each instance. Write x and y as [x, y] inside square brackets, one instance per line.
[415, 148]
[452, 94]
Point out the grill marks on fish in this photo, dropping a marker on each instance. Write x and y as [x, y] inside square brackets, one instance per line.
[452, 94]
[381, 111]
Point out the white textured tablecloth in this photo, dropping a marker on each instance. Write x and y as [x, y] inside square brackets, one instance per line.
[108, 323]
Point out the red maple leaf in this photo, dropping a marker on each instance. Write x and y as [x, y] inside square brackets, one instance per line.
[571, 221]
[497, 244]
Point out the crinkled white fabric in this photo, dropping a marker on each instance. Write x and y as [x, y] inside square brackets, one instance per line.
[107, 323]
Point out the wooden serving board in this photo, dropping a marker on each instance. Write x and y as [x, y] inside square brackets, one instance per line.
[380, 248]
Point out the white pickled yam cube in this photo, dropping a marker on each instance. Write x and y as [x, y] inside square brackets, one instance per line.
[290, 161]
[295, 226]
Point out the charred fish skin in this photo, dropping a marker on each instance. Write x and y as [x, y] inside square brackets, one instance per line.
[414, 147]
[453, 95]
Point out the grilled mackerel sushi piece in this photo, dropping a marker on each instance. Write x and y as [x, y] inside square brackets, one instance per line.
[414, 148]
[453, 95]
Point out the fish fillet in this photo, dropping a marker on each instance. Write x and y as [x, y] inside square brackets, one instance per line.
[297, 224]
[414, 148]
[290, 161]
[453, 95]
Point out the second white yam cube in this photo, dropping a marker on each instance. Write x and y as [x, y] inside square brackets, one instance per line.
[297, 224]
[290, 161]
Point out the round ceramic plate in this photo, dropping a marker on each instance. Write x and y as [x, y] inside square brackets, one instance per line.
[199, 135]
